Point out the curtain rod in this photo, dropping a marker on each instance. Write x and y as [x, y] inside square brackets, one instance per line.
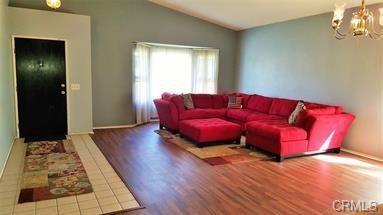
[175, 45]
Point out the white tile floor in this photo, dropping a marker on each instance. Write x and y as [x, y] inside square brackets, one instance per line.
[110, 193]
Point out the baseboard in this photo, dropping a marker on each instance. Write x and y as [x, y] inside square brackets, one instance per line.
[6, 160]
[122, 126]
[362, 155]
[115, 126]
[81, 133]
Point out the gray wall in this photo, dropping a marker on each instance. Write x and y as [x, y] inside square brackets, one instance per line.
[300, 59]
[7, 116]
[115, 25]
[75, 29]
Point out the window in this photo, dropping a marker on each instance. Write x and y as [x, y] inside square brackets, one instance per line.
[176, 69]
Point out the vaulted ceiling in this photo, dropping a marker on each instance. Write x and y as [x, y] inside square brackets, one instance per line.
[243, 14]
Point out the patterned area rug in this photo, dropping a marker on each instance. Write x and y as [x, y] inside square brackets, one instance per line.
[52, 169]
[218, 154]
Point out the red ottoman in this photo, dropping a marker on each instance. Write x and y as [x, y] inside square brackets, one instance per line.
[204, 131]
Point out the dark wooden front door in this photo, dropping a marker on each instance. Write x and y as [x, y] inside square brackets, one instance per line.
[41, 88]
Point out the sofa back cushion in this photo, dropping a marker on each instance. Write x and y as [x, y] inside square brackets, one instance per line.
[310, 105]
[245, 98]
[219, 101]
[202, 100]
[259, 103]
[282, 107]
[178, 102]
[301, 120]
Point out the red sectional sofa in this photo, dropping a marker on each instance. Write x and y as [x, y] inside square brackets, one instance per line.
[264, 121]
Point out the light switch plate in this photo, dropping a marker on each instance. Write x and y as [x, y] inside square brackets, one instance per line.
[75, 87]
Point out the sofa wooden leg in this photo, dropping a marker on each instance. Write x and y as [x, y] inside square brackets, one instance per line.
[161, 127]
[248, 146]
[336, 151]
[199, 145]
[280, 158]
[238, 141]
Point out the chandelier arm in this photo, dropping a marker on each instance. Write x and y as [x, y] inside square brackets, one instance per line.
[339, 37]
[374, 37]
[378, 35]
[373, 32]
[340, 33]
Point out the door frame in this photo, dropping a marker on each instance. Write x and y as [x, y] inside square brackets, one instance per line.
[15, 78]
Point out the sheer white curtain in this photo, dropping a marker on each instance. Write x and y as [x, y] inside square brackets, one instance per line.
[170, 70]
[205, 71]
[159, 69]
[141, 83]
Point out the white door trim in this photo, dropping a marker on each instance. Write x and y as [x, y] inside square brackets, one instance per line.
[15, 78]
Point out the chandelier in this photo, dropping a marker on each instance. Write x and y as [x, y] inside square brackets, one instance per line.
[361, 24]
[54, 4]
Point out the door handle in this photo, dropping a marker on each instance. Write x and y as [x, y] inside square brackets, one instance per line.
[63, 92]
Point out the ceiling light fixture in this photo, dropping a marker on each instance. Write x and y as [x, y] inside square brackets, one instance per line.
[361, 24]
[54, 4]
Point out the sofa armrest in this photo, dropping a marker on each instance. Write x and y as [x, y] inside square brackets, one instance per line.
[327, 131]
[167, 113]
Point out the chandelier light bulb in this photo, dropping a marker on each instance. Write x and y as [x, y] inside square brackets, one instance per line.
[381, 17]
[339, 11]
[54, 4]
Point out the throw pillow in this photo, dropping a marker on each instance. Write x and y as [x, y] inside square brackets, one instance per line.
[294, 115]
[235, 102]
[188, 101]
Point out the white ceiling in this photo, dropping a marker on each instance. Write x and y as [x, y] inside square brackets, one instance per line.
[243, 14]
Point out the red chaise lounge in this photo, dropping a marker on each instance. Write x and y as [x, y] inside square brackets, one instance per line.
[264, 121]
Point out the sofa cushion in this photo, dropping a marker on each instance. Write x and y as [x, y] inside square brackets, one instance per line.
[203, 113]
[202, 100]
[254, 116]
[310, 105]
[219, 101]
[179, 103]
[245, 99]
[282, 107]
[304, 114]
[259, 103]
[279, 130]
[239, 114]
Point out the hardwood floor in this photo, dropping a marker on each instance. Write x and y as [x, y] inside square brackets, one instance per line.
[169, 180]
